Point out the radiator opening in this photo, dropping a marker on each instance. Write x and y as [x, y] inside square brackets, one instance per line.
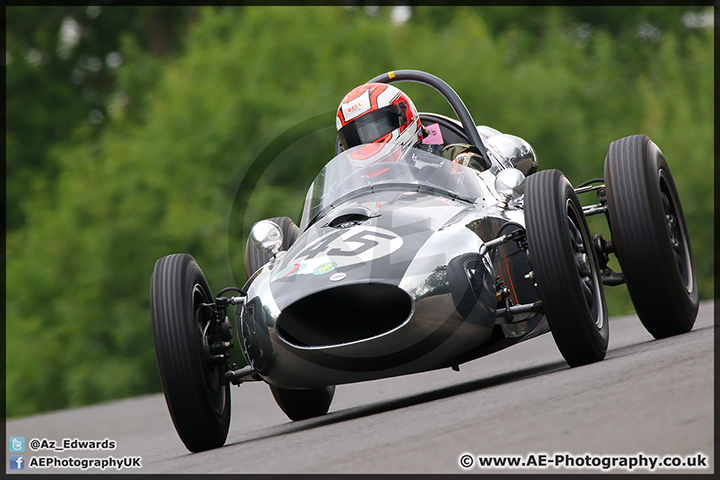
[344, 314]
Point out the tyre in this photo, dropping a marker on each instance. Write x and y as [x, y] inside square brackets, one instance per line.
[650, 236]
[566, 268]
[195, 391]
[297, 404]
[256, 258]
[303, 404]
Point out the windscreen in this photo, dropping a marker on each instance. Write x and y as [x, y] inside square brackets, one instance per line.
[372, 167]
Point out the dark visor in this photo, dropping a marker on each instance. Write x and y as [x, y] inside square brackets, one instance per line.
[370, 127]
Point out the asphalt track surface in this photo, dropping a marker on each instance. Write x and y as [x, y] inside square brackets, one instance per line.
[654, 397]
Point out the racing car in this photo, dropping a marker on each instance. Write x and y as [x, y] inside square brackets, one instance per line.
[407, 262]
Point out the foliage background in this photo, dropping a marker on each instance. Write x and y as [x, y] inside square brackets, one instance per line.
[130, 129]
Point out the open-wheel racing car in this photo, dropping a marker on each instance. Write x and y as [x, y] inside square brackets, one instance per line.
[407, 262]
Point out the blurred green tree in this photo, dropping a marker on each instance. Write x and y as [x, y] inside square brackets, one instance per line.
[61, 63]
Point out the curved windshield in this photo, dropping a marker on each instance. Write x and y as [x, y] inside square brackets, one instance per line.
[370, 168]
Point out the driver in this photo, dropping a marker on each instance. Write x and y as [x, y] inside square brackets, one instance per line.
[383, 116]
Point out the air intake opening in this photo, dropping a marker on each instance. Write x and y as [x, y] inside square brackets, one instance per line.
[343, 314]
[353, 218]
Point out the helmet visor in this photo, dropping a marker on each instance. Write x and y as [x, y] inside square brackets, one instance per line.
[370, 127]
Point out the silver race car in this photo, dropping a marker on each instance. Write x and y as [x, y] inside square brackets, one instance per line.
[405, 262]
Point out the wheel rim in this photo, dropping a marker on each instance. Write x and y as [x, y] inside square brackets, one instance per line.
[677, 234]
[586, 264]
[210, 368]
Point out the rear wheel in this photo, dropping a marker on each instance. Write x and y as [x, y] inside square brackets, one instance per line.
[195, 391]
[566, 268]
[297, 404]
[650, 236]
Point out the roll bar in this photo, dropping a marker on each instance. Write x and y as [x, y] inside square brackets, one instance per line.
[450, 96]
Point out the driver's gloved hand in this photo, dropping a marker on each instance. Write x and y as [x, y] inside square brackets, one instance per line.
[464, 154]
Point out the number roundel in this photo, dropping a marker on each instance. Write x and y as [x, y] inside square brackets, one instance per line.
[341, 248]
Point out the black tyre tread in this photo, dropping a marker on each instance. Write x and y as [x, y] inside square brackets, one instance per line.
[178, 356]
[303, 404]
[256, 258]
[570, 320]
[637, 223]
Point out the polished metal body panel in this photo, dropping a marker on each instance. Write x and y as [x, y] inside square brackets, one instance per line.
[387, 281]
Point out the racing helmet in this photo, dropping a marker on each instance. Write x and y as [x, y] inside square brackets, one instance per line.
[380, 114]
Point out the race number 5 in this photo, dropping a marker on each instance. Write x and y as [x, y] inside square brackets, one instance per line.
[366, 241]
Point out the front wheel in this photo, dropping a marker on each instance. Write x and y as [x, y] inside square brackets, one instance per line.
[566, 268]
[183, 328]
[650, 236]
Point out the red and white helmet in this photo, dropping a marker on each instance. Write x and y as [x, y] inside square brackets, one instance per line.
[377, 113]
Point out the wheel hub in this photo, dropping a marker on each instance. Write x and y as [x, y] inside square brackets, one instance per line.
[583, 264]
[673, 231]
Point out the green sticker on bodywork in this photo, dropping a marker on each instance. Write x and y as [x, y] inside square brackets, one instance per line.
[325, 268]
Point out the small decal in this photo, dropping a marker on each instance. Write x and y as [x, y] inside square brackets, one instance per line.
[336, 277]
[325, 268]
[434, 136]
[289, 271]
[356, 107]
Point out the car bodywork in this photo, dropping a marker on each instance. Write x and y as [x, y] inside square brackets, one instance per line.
[386, 277]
